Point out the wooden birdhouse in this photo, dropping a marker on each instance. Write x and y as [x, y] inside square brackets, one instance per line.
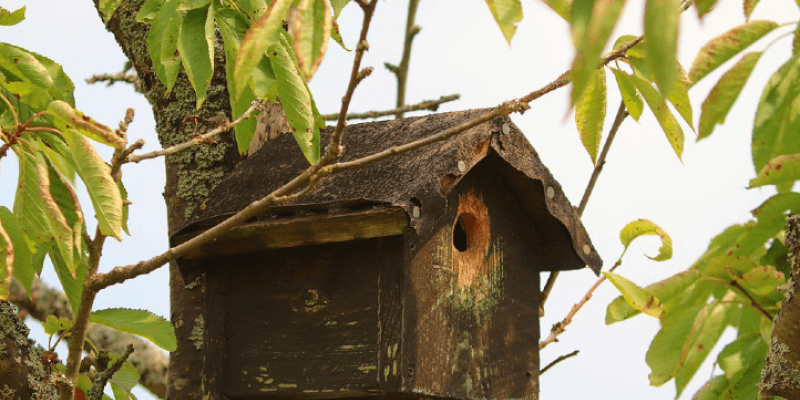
[417, 275]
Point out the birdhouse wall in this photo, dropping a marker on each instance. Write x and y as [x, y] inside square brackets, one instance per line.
[471, 308]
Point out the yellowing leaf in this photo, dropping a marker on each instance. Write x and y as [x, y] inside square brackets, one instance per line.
[668, 346]
[260, 37]
[636, 297]
[724, 47]
[590, 112]
[669, 292]
[643, 227]
[70, 118]
[507, 14]
[777, 121]
[6, 262]
[720, 100]
[781, 169]
[23, 270]
[662, 113]
[679, 96]
[338, 5]
[9, 18]
[749, 6]
[633, 103]
[311, 30]
[196, 48]
[661, 19]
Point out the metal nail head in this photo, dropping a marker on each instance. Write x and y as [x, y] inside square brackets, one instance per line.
[550, 192]
[462, 166]
[587, 249]
[415, 212]
[506, 129]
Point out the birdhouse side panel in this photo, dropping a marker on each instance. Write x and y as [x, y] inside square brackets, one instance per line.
[472, 311]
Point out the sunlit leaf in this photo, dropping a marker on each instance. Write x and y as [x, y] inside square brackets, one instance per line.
[777, 121]
[149, 11]
[720, 244]
[102, 188]
[780, 169]
[713, 389]
[590, 112]
[643, 227]
[661, 19]
[507, 14]
[125, 212]
[10, 18]
[721, 98]
[107, 8]
[777, 206]
[662, 113]
[763, 282]
[638, 298]
[138, 322]
[21, 65]
[127, 377]
[162, 44]
[679, 97]
[261, 36]
[6, 262]
[23, 270]
[561, 7]
[70, 118]
[633, 103]
[185, 5]
[778, 256]
[635, 51]
[311, 30]
[669, 292]
[738, 355]
[338, 5]
[724, 47]
[667, 348]
[592, 23]
[70, 207]
[296, 101]
[254, 9]
[72, 285]
[336, 35]
[749, 5]
[796, 41]
[196, 48]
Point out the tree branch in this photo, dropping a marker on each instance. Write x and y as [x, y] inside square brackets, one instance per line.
[431, 105]
[96, 392]
[752, 300]
[401, 71]
[558, 360]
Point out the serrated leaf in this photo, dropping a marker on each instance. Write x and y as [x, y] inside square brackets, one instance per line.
[779, 170]
[10, 18]
[590, 113]
[749, 6]
[592, 23]
[185, 5]
[260, 37]
[23, 270]
[107, 8]
[336, 35]
[127, 377]
[661, 18]
[638, 298]
[296, 101]
[124, 195]
[69, 118]
[6, 262]
[667, 347]
[633, 103]
[777, 206]
[196, 49]
[669, 292]
[138, 322]
[679, 97]
[149, 11]
[311, 30]
[507, 14]
[777, 122]
[338, 5]
[72, 285]
[57, 152]
[643, 227]
[561, 7]
[720, 100]
[21, 65]
[162, 44]
[662, 113]
[724, 47]
[102, 188]
[70, 207]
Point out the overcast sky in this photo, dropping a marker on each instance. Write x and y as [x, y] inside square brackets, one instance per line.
[461, 50]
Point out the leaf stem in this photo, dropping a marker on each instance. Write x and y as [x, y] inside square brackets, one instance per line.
[753, 301]
[431, 105]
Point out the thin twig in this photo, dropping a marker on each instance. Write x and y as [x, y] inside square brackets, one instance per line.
[96, 392]
[752, 300]
[558, 360]
[401, 70]
[431, 105]
[111, 79]
[204, 138]
[598, 167]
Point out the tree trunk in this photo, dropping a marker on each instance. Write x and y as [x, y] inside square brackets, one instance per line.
[781, 373]
[22, 366]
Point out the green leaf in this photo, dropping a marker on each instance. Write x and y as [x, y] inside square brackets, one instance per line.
[662, 113]
[102, 188]
[107, 8]
[70, 207]
[9, 18]
[661, 18]
[311, 30]
[777, 121]
[781, 169]
[119, 392]
[185, 5]
[590, 113]
[667, 348]
[139, 322]
[51, 325]
[260, 37]
[720, 244]
[753, 241]
[149, 11]
[778, 256]
[704, 7]
[796, 41]
[162, 44]
[196, 48]
[638, 298]
[728, 267]
[254, 9]
[72, 285]
[6, 262]
[669, 293]
[23, 270]
[507, 14]
[124, 195]
[713, 389]
[643, 227]
[127, 377]
[738, 355]
[721, 98]
[633, 103]
[338, 5]
[724, 47]
[296, 101]
[679, 97]
[69, 118]
[592, 23]
[777, 206]
[336, 35]
[749, 5]
[708, 327]
[20, 65]
[561, 7]
[636, 51]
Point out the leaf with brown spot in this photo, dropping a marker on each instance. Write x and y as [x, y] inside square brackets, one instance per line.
[70, 118]
[311, 30]
[720, 100]
[781, 169]
[724, 47]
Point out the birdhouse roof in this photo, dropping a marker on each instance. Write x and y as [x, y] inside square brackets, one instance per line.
[420, 178]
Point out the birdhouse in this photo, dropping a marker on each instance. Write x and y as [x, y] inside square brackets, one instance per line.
[417, 275]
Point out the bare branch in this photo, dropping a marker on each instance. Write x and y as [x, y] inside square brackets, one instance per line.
[558, 360]
[431, 105]
[401, 70]
[96, 392]
[111, 79]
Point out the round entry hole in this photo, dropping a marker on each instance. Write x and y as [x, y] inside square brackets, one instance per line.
[464, 232]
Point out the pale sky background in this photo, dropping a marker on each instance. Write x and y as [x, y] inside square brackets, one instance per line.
[461, 50]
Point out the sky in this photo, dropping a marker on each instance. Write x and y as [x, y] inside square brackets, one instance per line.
[461, 50]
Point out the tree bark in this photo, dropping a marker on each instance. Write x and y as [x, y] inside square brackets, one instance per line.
[22, 367]
[781, 373]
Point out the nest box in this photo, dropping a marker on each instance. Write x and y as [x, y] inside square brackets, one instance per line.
[415, 276]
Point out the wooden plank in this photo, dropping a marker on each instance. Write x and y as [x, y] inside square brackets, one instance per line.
[213, 333]
[299, 231]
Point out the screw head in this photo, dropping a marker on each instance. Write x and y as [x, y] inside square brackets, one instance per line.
[550, 192]
[506, 129]
[415, 212]
[462, 166]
